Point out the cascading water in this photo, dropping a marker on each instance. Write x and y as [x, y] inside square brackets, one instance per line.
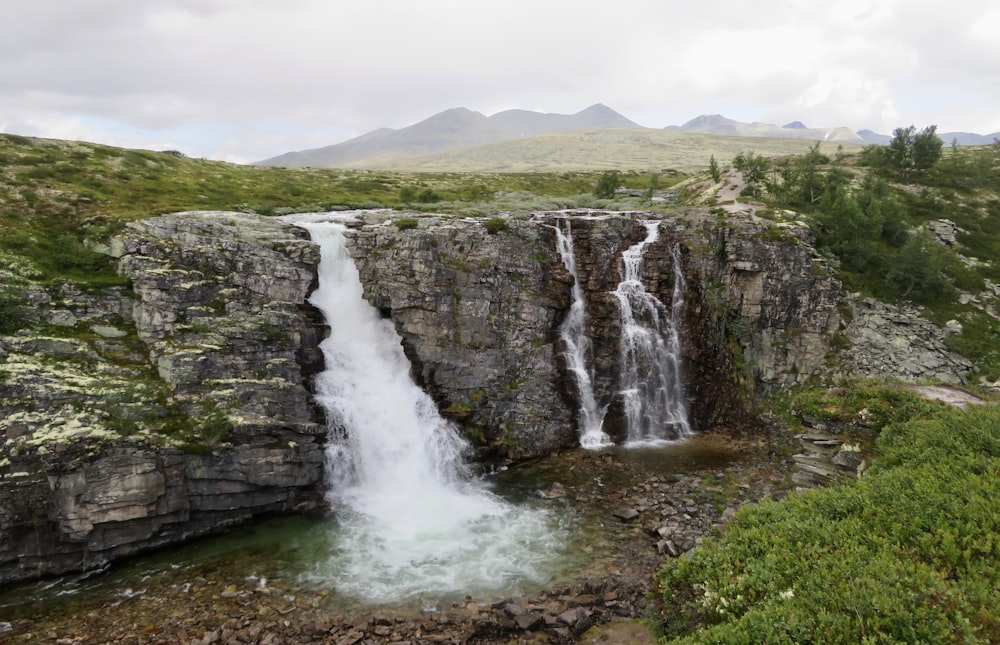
[650, 378]
[411, 521]
[572, 331]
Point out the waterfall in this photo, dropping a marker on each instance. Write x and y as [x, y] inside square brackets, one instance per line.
[411, 520]
[650, 378]
[573, 333]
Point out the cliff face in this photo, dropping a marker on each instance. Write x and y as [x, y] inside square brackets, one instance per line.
[479, 313]
[144, 416]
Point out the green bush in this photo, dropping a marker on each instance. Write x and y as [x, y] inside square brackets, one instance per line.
[405, 223]
[496, 225]
[428, 196]
[907, 554]
[13, 311]
[607, 184]
[407, 194]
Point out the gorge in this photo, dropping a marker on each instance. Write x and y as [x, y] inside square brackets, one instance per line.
[219, 309]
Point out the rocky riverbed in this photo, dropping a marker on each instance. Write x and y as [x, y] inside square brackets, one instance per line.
[648, 505]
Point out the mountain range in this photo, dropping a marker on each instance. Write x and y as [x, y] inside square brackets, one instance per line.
[462, 134]
[452, 129]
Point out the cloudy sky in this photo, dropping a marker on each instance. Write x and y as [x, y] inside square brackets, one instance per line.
[242, 80]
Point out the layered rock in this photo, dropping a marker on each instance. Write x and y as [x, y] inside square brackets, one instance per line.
[174, 410]
[478, 312]
[150, 415]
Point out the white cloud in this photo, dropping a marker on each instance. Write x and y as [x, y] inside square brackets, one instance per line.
[248, 79]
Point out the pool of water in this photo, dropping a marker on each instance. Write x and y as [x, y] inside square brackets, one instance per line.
[297, 556]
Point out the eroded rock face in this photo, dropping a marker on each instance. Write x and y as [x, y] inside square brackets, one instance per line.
[172, 410]
[479, 313]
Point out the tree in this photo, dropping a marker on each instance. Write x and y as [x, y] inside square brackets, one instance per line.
[799, 181]
[608, 183]
[909, 150]
[754, 169]
[920, 270]
[713, 169]
[927, 147]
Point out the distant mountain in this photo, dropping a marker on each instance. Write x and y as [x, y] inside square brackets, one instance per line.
[452, 129]
[874, 137]
[721, 126]
[968, 138]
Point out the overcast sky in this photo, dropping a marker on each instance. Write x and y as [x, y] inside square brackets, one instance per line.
[242, 80]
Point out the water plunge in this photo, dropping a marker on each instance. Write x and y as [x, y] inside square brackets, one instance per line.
[411, 519]
[572, 331]
[650, 379]
[650, 386]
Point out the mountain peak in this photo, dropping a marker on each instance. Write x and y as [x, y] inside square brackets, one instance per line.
[451, 129]
[795, 125]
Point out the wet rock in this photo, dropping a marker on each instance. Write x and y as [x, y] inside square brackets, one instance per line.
[555, 491]
[513, 609]
[626, 514]
[529, 621]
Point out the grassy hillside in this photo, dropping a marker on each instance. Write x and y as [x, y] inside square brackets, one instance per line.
[56, 195]
[623, 149]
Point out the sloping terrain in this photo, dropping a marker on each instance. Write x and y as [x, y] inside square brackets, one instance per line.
[449, 130]
[623, 149]
[720, 125]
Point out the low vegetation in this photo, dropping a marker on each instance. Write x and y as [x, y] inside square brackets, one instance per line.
[907, 554]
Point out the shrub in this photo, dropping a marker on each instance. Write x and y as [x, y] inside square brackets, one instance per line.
[405, 223]
[428, 196]
[13, 311]
[495, 225]
[907, 554]
[607, 184]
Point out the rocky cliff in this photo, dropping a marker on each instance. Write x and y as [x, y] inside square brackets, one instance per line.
[479, 312]
[136, 418]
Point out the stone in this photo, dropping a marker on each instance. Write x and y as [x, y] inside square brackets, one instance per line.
[107, 331]
[529, 621]
[626, 514]
[897, 341]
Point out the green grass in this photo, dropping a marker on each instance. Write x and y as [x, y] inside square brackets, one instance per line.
[907, 554]
[57, 196]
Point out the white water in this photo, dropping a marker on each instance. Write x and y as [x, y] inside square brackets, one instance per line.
[572, 331]
[411, 521]
[650, 378]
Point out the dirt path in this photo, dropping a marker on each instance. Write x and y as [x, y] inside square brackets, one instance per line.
[947, 394]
